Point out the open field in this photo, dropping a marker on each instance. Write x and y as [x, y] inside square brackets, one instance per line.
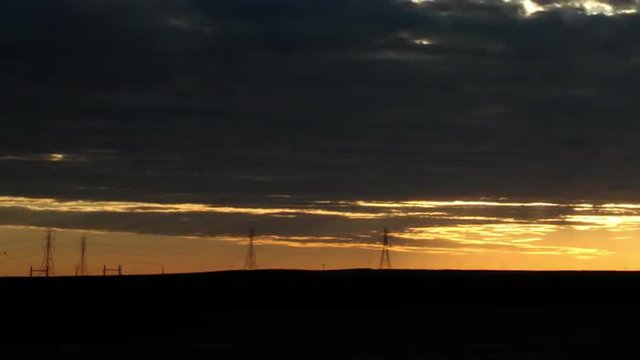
[354, 314]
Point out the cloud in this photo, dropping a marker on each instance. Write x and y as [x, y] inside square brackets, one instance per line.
[529, 8]
[430, 227]
[231, 101]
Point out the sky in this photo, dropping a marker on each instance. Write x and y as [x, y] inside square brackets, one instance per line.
[485, 134]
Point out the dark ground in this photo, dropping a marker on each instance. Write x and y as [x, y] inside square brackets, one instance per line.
[355, 314]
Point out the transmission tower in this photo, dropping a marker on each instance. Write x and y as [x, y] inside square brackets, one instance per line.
[385, 259]
[250, 262]
[47, 257]
[82, 265]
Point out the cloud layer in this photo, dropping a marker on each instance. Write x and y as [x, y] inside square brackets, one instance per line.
[434, 227]
[324, 118]
[376, 98]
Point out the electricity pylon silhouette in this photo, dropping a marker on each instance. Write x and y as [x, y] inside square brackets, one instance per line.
[47, 265]
[385, 259]
[82, 265]
[250, 262]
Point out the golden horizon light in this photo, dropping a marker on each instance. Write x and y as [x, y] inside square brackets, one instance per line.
[460, 234]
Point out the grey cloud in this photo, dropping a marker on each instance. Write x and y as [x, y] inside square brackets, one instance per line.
[326, 99]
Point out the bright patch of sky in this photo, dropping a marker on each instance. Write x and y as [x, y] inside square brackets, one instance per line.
[589, 7]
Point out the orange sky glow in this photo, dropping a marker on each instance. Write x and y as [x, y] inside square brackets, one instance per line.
[500, 235]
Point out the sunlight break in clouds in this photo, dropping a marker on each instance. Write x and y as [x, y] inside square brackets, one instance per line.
[82, 206]
[585, 216]
[530, 7]
[454, 227]
[516, 238]
[589, 7]
[52, 157]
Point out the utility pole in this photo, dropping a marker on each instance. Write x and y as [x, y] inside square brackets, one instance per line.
[385, 259]
[250, 262]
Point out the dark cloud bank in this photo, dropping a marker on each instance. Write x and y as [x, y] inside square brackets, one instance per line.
[236, 100]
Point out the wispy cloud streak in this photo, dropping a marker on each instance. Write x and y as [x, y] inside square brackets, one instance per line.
[452, 227]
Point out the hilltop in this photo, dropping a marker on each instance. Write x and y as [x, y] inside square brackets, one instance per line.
[326, 314]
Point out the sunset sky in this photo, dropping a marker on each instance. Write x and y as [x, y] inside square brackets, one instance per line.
[485, 134]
